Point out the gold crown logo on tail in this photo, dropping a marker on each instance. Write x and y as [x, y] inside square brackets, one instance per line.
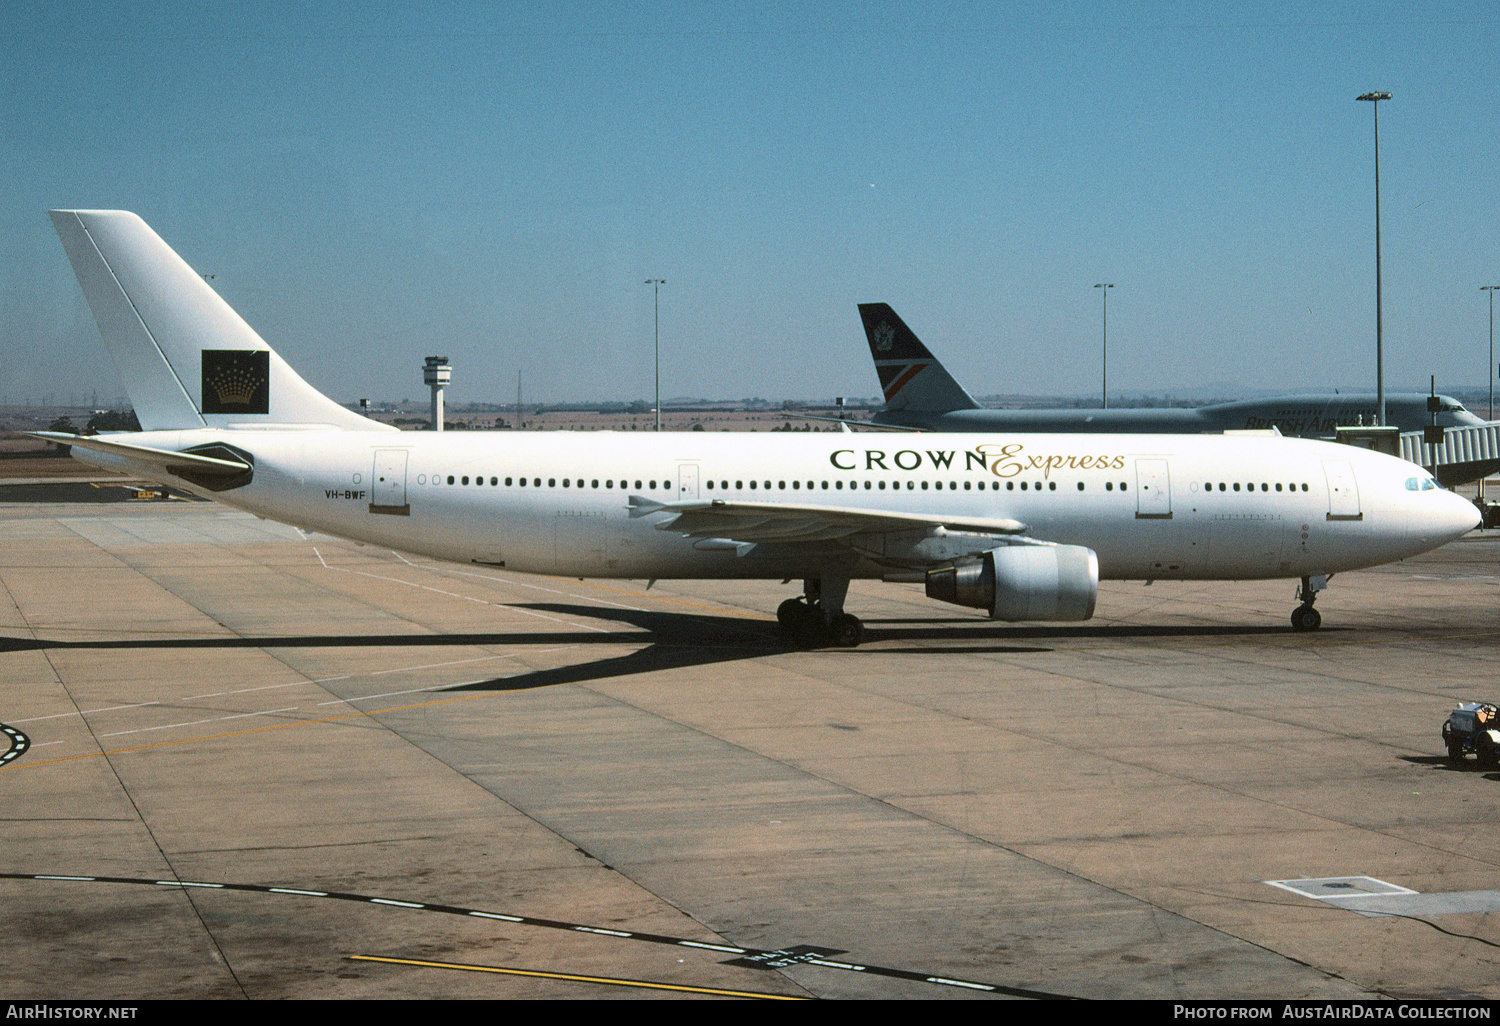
[236, 381]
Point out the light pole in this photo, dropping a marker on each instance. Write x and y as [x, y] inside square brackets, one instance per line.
[1491, 372]
[1375, 99]
[1104, 361]
[656, 284]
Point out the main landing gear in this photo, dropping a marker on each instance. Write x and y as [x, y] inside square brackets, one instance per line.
[818, 617]
[1305, 617]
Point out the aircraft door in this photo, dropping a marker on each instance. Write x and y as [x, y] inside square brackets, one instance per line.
[687, 481]
[388, 483]
[1153, 490]
[1343, 491]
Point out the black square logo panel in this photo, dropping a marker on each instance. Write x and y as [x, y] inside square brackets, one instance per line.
[236, 381]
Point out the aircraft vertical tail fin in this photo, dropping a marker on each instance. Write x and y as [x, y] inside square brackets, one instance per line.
[911, 377]
[186, 359]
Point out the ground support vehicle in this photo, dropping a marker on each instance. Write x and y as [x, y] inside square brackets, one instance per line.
[1472, 728]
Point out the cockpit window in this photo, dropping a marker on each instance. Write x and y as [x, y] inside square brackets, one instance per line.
[1420, 484]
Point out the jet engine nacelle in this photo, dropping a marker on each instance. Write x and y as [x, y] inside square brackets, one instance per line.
[1023, 582]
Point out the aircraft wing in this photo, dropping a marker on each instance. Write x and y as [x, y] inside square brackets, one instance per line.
[794, 522]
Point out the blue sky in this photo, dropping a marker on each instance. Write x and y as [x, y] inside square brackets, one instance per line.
[372, 183]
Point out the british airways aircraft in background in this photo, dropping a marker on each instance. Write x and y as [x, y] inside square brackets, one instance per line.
[920, 393]
[1022, 526]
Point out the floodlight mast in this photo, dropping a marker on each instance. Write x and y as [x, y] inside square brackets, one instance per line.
[656, 284]
[1374, 99]
[1104, 359]
[1491, 372]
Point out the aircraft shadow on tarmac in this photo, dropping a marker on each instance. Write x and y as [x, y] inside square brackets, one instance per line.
[676, 640]
[671, 628]
[672, 640]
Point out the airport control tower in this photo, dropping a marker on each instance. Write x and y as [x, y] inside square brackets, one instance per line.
[436, 373]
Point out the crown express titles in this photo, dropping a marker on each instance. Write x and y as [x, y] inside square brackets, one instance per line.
[1004, 461]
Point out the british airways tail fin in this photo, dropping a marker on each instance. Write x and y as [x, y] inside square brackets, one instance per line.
[910, 376]
[186, 359]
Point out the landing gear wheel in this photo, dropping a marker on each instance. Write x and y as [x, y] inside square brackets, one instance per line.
[802, 623]
[790, 613]
[846, 630]
[1306, 618]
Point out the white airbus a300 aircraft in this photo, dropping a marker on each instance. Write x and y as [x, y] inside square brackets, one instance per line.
[1021, 526]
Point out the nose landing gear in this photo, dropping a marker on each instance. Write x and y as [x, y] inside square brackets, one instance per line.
[1305, 617]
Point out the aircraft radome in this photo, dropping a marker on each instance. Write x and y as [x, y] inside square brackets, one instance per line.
[1022, 526]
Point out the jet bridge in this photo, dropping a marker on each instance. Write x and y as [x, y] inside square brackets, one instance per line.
[1465, 453]
[1454, 455]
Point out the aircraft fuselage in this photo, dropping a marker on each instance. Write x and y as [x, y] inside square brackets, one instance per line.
[1294, 416]
[1149, 506]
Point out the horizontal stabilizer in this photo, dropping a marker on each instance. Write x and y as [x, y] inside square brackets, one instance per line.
[165, 458]
[215, 467]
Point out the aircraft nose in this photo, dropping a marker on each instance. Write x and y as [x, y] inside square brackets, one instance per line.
[1451, 517]
[1438, 517]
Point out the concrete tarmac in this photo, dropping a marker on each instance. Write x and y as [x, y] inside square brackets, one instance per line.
[379, 755]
